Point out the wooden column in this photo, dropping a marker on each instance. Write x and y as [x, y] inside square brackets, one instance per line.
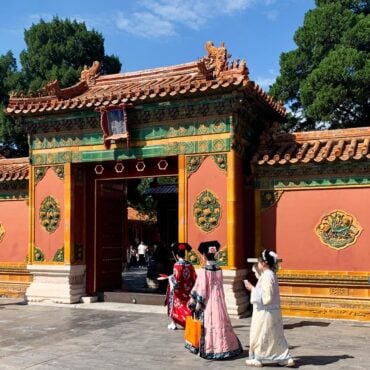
[231, 209]
[182, 212]
[258, 230]
[68, 204]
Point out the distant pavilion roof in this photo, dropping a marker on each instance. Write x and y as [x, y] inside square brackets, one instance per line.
[14, 169]
[315, 147]
[210, 74]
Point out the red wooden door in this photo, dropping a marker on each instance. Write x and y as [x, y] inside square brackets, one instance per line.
[109, 236]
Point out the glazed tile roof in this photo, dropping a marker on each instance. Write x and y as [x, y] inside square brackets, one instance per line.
[206, 76]
[14, 169]
[316, 147]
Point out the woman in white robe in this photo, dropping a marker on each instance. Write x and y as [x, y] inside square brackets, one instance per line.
[267, 343]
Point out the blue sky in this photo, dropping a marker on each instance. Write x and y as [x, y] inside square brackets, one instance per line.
[153, 33]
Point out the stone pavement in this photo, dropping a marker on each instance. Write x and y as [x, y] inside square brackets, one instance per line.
[108, 335]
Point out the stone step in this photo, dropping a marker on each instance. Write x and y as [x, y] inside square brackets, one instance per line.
[133, 297]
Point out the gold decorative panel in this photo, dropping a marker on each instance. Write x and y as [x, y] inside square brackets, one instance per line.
[338, 229]
[50, 214]
[207, 211]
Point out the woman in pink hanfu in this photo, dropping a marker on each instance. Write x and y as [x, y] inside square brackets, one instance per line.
[218, 340]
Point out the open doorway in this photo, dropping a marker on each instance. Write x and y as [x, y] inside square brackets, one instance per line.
[129, 211]
[152, 224]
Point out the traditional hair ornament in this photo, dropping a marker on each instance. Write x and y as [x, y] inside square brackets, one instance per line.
[212, 250]
[264, 255]
[274, 256]
[182, 247]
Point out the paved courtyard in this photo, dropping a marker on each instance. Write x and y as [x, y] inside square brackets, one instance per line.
[127, 336]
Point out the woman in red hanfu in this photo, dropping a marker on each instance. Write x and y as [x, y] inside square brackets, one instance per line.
[179, 287]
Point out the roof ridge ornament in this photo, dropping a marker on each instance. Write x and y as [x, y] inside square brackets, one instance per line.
[90, 74]
[216, 64]
[216, 60]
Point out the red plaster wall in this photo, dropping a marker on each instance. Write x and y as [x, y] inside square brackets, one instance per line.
[208, 177]
[49, 243]
[14, 218]
[291, 227]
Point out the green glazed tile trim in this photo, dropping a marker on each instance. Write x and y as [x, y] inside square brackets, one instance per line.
[350, 173]
[147, 132]
[210, 146]
[66, 140]
[14, 190]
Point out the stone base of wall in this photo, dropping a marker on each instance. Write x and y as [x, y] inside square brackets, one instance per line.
[56, 283]
[237, 298]
[14, 280]
[332, 294]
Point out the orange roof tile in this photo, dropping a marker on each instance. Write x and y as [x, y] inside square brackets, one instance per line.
[134, 215]
[14, 169]
[316, 146]
[209, 74]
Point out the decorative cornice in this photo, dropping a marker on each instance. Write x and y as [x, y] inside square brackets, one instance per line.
[341, 174]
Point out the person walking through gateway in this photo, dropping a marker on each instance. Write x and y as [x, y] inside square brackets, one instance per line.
[218, 340]
[142, 249]
[179, 286]
[267, 343]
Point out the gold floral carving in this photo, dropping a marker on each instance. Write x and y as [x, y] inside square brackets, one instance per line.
[39, 173]
[59, 255]
[2, 232]
[193, 163]
[50, 214]
[221, 161]
[338, 229]
[207, 211]
[269, 198]
[38, 255]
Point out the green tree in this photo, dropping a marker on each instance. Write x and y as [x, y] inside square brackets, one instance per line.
[58, 50]
[325, 81]
[55, 50]
[13, 141]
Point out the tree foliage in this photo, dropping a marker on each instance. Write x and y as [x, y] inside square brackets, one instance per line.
[55, 50]
[13, 141]
[58, 50]
[326, 80]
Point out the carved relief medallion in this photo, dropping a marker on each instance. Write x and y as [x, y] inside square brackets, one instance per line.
[50, 214]
[338, 229]
[207, 211]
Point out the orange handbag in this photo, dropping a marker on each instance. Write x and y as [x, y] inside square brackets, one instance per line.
[192, 332]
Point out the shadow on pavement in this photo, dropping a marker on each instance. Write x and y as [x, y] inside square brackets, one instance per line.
[11, 302]
[305, 323]
[319, 360]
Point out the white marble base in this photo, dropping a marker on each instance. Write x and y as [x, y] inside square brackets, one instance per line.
[89, 299]
[56, 283]
[237, 298]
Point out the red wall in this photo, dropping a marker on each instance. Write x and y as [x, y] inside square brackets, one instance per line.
[209, 176]
[49, 243]
[14, 218]
[290, 226]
